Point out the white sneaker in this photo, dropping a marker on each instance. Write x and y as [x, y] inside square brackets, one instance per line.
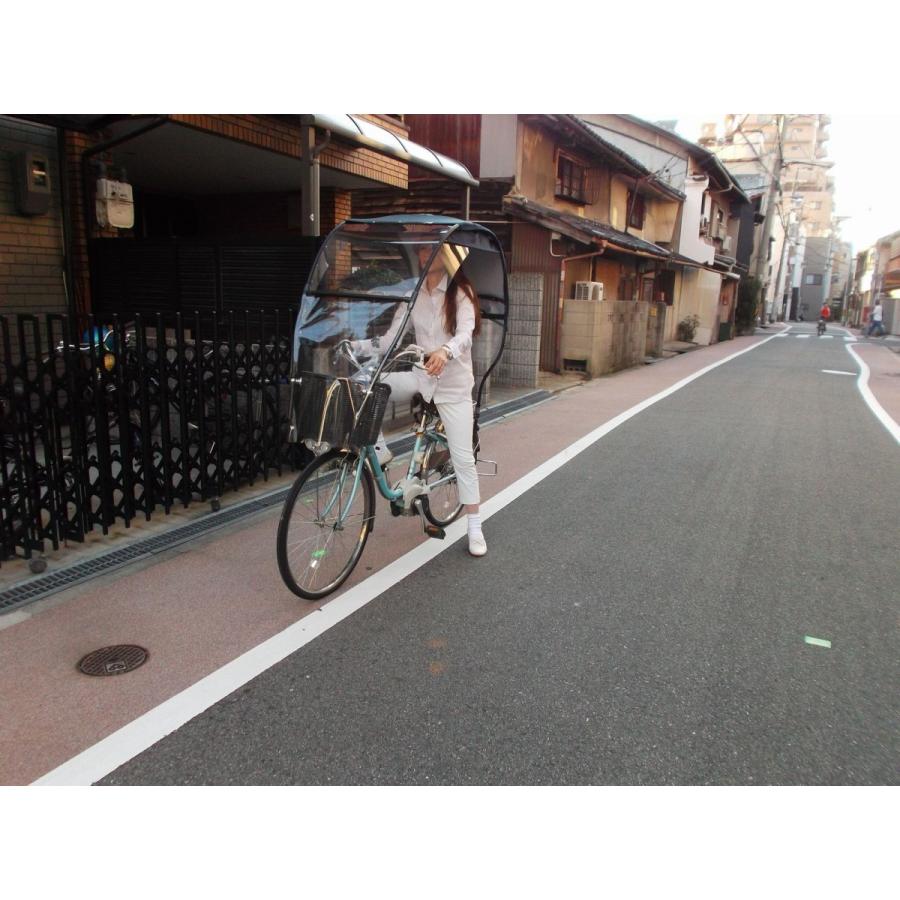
[477, 544]
[383, 453]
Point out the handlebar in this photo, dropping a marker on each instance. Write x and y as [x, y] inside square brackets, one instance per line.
[345, 348]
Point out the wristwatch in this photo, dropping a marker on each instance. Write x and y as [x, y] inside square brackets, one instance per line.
[448, 349]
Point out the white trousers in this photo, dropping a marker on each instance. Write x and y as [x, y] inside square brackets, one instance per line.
[458, 419]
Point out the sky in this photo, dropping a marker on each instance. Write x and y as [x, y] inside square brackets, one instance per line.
[864, 149]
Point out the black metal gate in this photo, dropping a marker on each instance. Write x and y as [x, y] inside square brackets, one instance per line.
[124, 421]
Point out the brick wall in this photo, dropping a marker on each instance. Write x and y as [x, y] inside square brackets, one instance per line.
[31, 247]
[519, 364]
[334, 207]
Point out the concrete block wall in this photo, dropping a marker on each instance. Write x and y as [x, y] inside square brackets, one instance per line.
[656, 328]
[607, 336]
[891, 318]
[520, 362]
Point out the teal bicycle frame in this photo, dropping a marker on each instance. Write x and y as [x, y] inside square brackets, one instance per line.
[393, 495]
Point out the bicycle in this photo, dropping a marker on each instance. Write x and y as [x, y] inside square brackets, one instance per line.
[329, 512]
[364, 285]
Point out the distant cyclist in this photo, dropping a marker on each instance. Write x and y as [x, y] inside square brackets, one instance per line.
[824, 317]
[876, 319]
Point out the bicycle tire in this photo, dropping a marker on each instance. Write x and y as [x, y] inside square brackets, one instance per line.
[446, 507]
[304, 484]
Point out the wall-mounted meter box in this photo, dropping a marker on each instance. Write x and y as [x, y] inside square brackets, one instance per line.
[31, 177]
[115, 204]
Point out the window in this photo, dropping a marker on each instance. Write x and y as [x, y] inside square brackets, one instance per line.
[569, 179]
[635, 211]
[812, 279]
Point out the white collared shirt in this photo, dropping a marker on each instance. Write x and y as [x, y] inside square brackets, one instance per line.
[457, 379]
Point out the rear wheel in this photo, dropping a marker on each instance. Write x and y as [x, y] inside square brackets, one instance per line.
[324, 525]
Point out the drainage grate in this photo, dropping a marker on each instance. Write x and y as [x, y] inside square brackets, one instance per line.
[113, 660]
[91, 568]
[63, 579]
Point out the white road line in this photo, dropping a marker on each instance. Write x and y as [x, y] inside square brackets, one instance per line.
[863, 384]
[132, 739]
[825, 337]
[801, 336]
[837, 372]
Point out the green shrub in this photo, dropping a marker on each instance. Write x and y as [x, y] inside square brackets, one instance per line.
[745, 312]
[687, 328]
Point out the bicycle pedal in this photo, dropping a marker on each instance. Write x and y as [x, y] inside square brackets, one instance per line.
[434, 531]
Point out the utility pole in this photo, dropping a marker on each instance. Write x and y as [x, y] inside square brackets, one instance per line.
[785, 247]
[790, 234]
[762, 259]
[829, 268]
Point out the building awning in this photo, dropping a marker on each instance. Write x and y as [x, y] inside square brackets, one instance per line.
[85, 124]
[580, 229]
[199, 158]
[368, 134]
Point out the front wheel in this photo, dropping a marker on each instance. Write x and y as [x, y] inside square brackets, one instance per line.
[325, 523]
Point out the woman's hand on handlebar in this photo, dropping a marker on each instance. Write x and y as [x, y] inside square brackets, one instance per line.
[435, 361]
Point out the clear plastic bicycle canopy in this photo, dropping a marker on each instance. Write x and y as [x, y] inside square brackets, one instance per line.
[367, 276]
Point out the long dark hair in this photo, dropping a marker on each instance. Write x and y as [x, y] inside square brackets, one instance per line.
[459, 281]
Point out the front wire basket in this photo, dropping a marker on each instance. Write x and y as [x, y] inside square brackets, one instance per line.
[338, 411]
[371, 413]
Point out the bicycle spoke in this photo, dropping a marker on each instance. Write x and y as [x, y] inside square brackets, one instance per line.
[327, 525]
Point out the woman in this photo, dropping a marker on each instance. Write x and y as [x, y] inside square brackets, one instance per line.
[446, 316]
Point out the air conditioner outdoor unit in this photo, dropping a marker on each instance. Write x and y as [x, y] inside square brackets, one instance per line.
[726, 243]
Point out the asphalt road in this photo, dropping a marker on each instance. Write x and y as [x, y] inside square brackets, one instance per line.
[640, 617]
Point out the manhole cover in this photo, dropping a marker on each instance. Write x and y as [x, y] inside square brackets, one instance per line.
[113, 660]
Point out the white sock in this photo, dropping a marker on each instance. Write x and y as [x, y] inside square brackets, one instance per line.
[474, 523]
